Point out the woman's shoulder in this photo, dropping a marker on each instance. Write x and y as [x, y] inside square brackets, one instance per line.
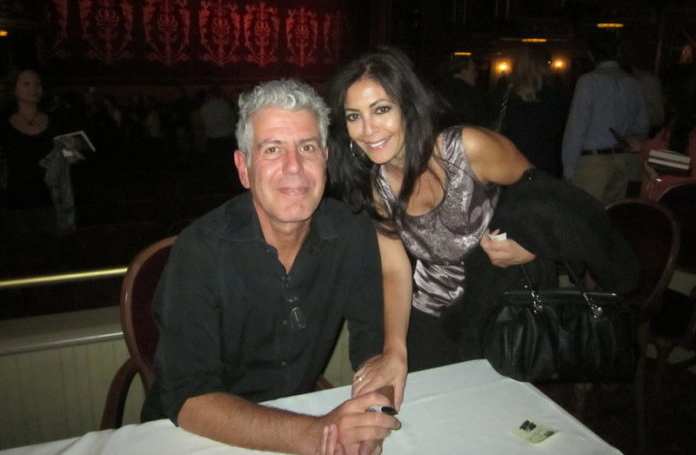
[456, 144]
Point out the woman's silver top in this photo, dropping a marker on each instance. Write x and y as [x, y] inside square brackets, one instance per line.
[440, 239]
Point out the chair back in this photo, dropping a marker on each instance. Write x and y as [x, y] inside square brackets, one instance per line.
[654, 234]
[137, 292]
[681, 200]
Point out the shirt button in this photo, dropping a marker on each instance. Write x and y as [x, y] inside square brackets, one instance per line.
[283, 363]
[284, 322]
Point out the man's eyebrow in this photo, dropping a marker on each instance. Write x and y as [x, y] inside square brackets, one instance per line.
[309, 139]
[269, 142]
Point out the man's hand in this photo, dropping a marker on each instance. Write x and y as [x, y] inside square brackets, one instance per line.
[504, 253]
[385, 369]
[350, 429]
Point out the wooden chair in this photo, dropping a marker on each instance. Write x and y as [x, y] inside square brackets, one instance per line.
[654, 235]
[139, 329]
[675, 324]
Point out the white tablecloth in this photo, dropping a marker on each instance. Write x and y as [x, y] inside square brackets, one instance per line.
[466, 408]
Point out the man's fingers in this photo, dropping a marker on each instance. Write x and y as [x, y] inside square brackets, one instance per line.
[325, 441]
[355, 435]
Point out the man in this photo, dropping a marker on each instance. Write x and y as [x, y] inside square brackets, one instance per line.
[253, 296]
[468, 102]
[217, 117]
[607, 118]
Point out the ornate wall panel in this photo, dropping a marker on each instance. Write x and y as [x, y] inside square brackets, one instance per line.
[192, 41]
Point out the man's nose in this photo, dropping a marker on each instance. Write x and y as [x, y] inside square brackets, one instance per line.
[293, 161]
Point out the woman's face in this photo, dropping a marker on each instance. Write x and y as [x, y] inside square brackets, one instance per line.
[374, 122]
[28, 88]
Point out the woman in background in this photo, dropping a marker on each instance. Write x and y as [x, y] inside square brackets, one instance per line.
[535, 112]
[25, 138]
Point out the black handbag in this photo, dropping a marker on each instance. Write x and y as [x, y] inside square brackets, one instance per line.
[565, 334]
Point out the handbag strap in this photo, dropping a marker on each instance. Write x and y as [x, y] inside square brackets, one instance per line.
[537, 300]
[503, 109]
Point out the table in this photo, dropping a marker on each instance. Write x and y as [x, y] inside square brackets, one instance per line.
[457, 409]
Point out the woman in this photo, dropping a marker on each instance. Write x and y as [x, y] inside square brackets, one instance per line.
[26, 138]
[433, 195]
[535, 113]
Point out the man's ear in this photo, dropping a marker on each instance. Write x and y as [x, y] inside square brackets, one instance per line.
[240, 161]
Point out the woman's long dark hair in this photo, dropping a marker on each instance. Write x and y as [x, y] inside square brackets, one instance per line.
[351, 173]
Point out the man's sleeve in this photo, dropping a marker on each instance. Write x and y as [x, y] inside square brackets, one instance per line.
[364, 311]
[187, 359]
[576, 126]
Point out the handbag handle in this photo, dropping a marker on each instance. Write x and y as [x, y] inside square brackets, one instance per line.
[538, 303]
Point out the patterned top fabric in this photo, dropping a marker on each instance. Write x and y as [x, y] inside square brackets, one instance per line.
[440, 239]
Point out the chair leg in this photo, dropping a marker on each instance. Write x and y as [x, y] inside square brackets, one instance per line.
[664, 349]
[581, 391]
[112, 417]
[641, 416]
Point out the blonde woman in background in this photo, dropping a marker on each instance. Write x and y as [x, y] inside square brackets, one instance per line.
[536, 111]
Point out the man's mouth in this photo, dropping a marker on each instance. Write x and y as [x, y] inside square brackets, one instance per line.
[294, 191]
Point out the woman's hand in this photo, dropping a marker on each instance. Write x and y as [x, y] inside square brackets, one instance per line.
[504, 253]
[381, 370]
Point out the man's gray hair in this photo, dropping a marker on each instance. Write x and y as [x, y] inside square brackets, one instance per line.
[286, 94]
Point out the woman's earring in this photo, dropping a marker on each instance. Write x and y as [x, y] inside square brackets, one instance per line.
[353, 147]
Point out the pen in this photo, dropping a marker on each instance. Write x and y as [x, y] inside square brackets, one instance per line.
[383, 409]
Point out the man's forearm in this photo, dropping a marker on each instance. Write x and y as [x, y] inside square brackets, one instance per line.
[238, 422]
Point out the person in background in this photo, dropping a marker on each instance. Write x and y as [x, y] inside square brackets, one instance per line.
[535, 111]
[607, 120]
[26, 137]
[468, 103]
[432, 195]
[218, 118]
[254, 293]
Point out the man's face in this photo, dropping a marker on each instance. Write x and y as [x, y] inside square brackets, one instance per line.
[287, 171]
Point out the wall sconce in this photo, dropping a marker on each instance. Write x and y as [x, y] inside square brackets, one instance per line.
[559, 64]
[4, 33]
[533, 40]
[462, 54]
[503, 67]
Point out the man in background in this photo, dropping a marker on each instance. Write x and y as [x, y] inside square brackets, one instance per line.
[607, 119]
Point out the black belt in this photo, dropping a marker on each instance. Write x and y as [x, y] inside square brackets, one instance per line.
[606, 151]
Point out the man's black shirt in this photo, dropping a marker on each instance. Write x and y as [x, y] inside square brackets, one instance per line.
[231, 320]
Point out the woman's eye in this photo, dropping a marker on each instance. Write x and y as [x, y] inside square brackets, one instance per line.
[351, 117]
[383, 109]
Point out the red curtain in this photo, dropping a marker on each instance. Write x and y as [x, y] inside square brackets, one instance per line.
[189, 41]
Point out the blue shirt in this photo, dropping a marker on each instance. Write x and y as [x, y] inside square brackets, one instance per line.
[607, 97]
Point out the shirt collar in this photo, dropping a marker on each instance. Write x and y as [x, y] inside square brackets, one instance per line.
[243, 222]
